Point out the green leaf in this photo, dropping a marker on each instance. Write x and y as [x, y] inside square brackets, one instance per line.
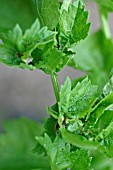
[103, 105]
[70, 100]
[13, 38]
[17, 47]
[37, 39]
[65, 5]
[39, 36]
[78, 140]
[57, 152]
[80, 28]
[101, 162]
[65, 93]
[73, 24]
[79, 79]
[96, 58]
[67, 18]
[105, 119]
[80, 160]
[32, 32]
[13, 12]
[48, 12]
[108, 88]
[50, 127]
[36, 48]
[101, 114]
[16, 146]
[61, 157]
[50, 60]
[106, 139]
[8, 55]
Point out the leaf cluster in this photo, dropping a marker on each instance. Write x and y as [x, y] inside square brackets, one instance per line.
[46, 45]
[84, 129]
[80, 124]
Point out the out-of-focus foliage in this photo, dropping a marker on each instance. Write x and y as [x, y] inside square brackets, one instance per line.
[105, 6]
[16, 146]
[94, 56]
[14, 12]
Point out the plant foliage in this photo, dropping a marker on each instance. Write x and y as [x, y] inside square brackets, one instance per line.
[80, 123]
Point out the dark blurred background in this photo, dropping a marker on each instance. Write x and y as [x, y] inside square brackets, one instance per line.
[26, 93]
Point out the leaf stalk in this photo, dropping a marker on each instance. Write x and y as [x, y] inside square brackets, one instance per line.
[55, 87]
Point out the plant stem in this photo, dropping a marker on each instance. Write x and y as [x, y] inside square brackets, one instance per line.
[105, 25]
[55, 87]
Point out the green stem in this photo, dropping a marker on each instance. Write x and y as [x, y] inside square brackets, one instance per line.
[55, 87]
[105, 25]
